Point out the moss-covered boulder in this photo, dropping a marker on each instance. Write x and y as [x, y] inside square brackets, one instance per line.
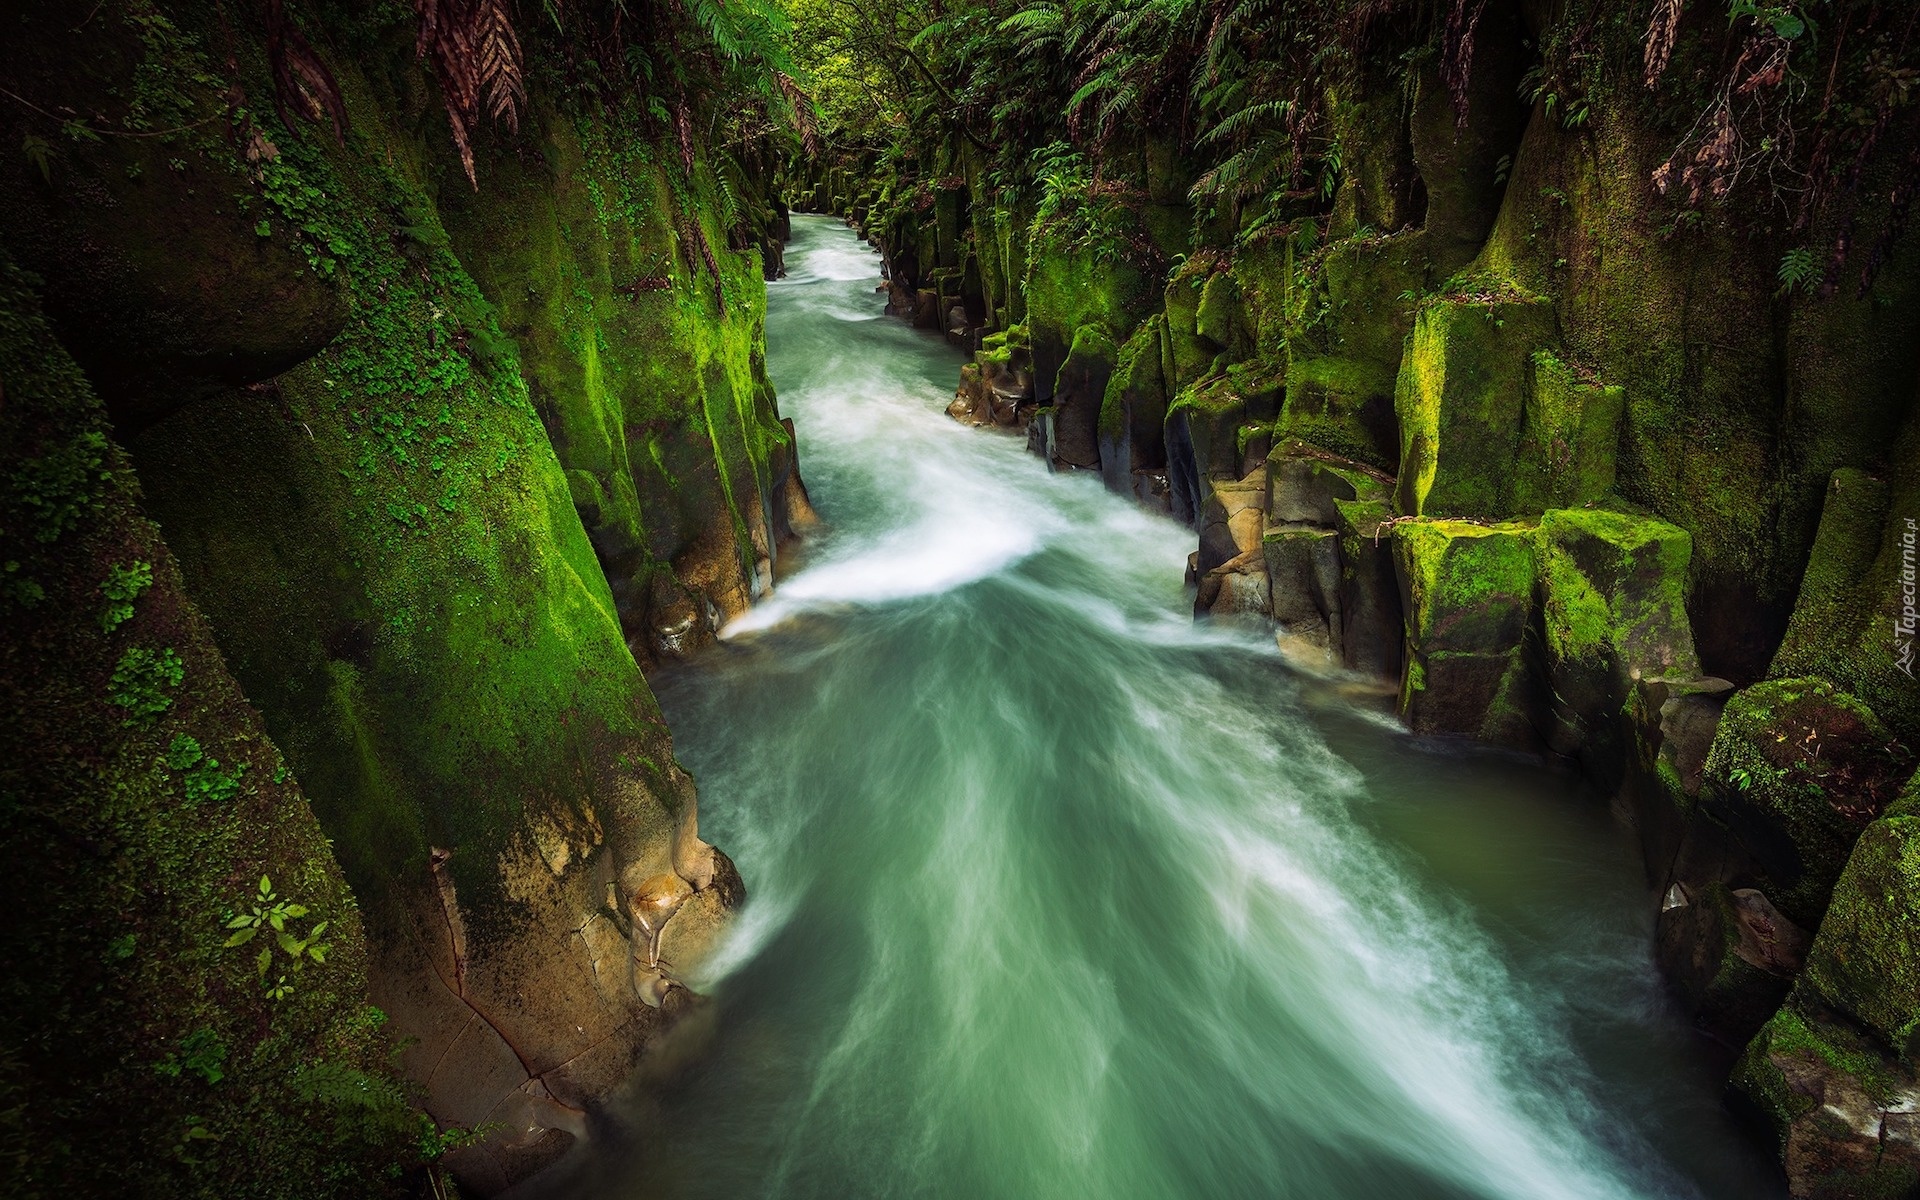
[1079, 390]
[643, 363]
[1856, 620]
[1467, 594]
[394, 566]
[1866, 961]
[200, 287]
[1306, 484]
[1570, 439]
[1134, 410]
[1070, 286]
[1670, 729]
[159, 1041]
[1731, 956]
[1845, 1117]
[1303, 574]
[1344, 322]
[1372, 641]
[1612, 609]
[1798, 769]
[1461, 400]
[1217, 429]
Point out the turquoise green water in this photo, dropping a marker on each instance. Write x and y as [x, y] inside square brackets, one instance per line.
[1054, 894]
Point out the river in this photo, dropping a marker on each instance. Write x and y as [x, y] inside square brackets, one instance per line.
[1053, 893]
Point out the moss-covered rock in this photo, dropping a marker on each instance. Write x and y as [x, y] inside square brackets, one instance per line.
[643, 365]
[1866, 960]
[1467, 593]
[1371, 620]
[1858, 588]
[1612, 609]
[1079, 390]
[1798, 769]
[1568, 443]
[1134, 410]
[1343, 320]
[1731, 955]
[1843, 1116]
[394, 566]
[200, 285]
[143, 811]
[1461, 400]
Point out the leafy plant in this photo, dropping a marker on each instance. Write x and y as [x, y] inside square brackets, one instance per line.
[202, 1052]
[269, 913]
[204, 779]
[122, 587]
[1798, 271]
[141, 680]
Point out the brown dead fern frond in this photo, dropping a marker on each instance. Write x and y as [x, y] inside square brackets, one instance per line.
[499, 70]
[301, 82]
[1456, 53]
[476, 57]
[803, 114]
[1662, 28]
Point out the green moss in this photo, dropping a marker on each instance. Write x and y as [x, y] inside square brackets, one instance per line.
[1460, 401]
[1799, 768]
[1865, 961]
[1468, 587]
[1566, 456]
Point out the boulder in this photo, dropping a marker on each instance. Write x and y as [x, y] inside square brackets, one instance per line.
[1467, 592]
[1303, 573]
[1730, 955]
[1670, 726]
[1612, 608]
[1845, 1117]
[1797, 770]
[1305, 483]
[1461, 400]
[1569, 439]
[1079, 389]
[1235, 591]
[1133, 411]
[1371, 622]
[1233, 519]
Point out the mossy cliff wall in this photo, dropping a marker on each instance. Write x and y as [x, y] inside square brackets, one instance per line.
[1563, 460]
[436, 463]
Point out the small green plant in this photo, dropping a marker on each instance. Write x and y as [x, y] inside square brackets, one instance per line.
[202, 1052]
[141, 680]
[204, 779]
[122, 587]
[40, 155]
[196, 1131]
[1798, 271]
[269, 912]
[121, 948]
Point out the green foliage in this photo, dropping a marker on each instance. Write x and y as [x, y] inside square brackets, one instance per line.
[121, 588]
[205, 782]
[202, 1052]
[268, 913]
[141, 682]
[1798, 271]
[55, 490]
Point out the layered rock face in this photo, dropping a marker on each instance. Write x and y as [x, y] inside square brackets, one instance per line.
[438, 467]
[1496, 430]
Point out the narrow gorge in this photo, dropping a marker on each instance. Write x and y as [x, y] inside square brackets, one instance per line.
[1348, 631]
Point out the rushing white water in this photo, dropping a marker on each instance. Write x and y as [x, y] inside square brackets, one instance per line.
[1054, 893]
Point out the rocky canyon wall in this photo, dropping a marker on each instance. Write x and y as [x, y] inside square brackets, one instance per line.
[400, 479]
